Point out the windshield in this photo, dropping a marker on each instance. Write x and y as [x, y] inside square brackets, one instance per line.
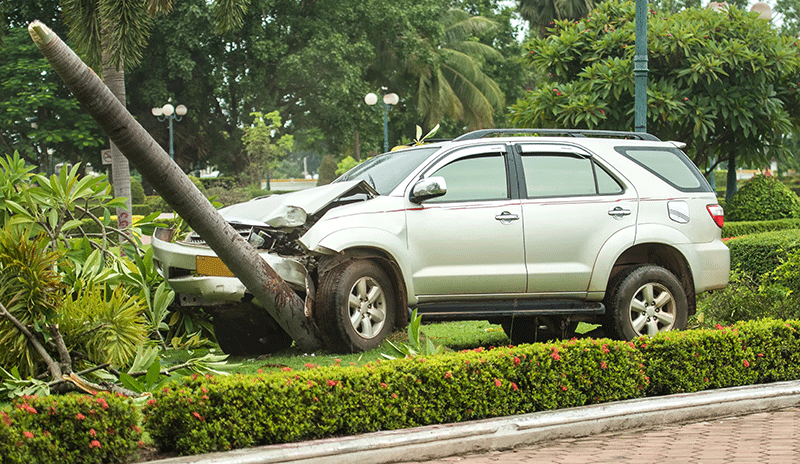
[385, 171]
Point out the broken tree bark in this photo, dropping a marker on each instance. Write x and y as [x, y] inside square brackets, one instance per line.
[177, 190]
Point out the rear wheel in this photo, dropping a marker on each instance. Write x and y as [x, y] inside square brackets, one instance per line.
[531, 329]
[356, 306]
[646, 300]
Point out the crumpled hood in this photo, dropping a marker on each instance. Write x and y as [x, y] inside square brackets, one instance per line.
[293, 209]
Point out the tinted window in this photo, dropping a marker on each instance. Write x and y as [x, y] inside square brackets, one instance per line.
[558, 175]
[385, 171]
[480, 177]
[671, 165]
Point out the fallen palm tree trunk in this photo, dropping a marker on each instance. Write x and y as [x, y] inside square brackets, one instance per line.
[153, 163]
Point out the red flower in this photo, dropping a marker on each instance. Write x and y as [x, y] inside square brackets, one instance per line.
[80, 416]
[383, 385]
[198, 416]
[448, 375]
[332, 383]
[102, 402]
[603, 365]
[514, 386]
[555, 354]
[564, 388]
[497, 383]
[516, 361]
[27, 434]
[286, 369]
[92, 433]
[746, 363]
[95, 444]
[394, 395]
[151, 402]
[605, 349]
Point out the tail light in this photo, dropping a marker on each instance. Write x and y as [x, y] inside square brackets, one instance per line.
[717, 214]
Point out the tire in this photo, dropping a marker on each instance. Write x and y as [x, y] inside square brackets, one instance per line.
[356, 306]
[248, 330]
[530, 329]
[645, 300]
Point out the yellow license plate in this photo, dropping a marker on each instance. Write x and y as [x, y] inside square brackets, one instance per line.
[212, 266]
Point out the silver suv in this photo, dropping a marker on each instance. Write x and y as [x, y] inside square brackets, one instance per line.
[536, 230]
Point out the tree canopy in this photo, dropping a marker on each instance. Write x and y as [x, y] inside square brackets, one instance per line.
[725, 83]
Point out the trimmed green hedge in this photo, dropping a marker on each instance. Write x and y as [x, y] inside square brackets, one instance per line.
[70, 429]
[758, 254]
[221, 413]
[206, 414]
[738, 229]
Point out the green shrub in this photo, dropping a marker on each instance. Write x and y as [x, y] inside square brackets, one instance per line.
[156, 203]
[763, 198]
[745, 299]
[738, 229]
[776, 346]
[141, 209]
[209, 414]
[327, 170]
[228, 196]
[758, 254]
[137, 191]
[70, 429]
[695, 360]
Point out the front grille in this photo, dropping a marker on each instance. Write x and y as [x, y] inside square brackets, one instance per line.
[243, 230]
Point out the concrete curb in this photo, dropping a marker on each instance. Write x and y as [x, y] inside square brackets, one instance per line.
[437, 441]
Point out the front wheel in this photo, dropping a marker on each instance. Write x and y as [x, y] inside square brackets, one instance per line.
[644, 301]
[356, 306]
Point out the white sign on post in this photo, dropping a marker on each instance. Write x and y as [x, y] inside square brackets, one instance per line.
[106, 156]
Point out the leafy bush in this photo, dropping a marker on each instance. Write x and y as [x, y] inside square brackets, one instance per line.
[69, 429]
[758, 254]
[745, 299]
[738, 229]
[137, 191]
[763, 198]
[228, 196]
[207, 414]
[327, 170]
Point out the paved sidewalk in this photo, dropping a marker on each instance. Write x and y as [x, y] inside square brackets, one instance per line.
[764, 438]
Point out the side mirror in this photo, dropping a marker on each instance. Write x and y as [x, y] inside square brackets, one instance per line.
[428, 188]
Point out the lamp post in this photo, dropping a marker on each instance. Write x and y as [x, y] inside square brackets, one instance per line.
[171, 113]
[388, 100]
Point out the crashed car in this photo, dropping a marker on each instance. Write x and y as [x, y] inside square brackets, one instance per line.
[536, 230]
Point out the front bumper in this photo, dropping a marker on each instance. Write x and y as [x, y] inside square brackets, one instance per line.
[177, 263]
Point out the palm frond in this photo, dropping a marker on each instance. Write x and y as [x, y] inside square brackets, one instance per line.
[230, 13]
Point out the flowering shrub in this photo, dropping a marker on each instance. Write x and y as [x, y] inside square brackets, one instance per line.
[210, 414]
[69, 429]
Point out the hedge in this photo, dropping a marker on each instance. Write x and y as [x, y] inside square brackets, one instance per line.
[205, 414]
[757, 254]
[738, 229]
[70, 429]
[213, 413]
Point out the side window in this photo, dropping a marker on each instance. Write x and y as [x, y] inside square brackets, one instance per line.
[671, 165]
[559, 175]
[474, 178]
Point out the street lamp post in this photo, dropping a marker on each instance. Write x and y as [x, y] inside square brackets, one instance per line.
[170, 113]
[389, 99]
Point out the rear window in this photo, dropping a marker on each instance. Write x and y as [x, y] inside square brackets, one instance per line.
[671, 165]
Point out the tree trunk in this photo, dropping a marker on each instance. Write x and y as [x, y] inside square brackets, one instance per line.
[114, 78]
[155, 165]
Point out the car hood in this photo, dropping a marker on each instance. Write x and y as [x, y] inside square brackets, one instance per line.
[293, 209]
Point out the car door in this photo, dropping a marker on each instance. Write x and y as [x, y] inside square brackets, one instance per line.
[572, 205]
[470, 240]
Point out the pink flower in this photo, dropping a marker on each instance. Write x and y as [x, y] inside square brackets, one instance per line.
[514, 386]
[27, 434]
[603, 365]
[92, 433]
[746, 363]
[95, 444]
[605, 349]
[80, 416]
[497, 383]
[448, 375]
[555, 354]
[394, 395]
[383, 385]
[198, 416]
[516, 361]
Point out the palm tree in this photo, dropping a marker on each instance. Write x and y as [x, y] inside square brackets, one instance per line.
[541, 13]
[155, 166]
[451, 81]
[112, 34]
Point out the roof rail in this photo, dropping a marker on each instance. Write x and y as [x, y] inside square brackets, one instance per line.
[479, 134]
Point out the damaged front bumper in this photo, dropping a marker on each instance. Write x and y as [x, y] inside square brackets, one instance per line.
[195, 269]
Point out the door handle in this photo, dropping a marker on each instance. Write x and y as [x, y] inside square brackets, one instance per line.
[505, 217]
[618, 212]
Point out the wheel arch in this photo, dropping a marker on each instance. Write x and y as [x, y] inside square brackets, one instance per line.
[385, 261]
[659, 254]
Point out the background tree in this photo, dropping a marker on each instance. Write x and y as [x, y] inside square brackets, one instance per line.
[263, 146]
[541, 14]
[725, 83]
